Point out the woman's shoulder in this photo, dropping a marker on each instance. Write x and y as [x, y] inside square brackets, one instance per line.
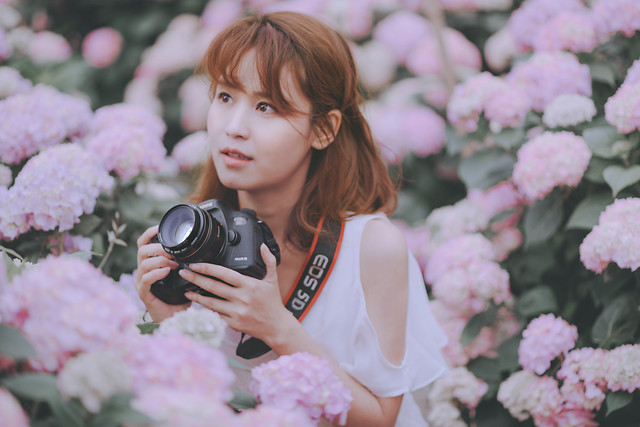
[381, 242]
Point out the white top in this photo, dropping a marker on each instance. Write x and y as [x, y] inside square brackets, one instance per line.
[339, 322]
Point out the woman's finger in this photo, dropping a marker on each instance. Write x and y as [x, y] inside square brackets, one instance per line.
[209, 284]
[145, 238]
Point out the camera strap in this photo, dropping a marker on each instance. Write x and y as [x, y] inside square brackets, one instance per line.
[310, 281]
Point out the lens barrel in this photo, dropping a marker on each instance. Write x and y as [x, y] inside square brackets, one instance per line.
[191, 234]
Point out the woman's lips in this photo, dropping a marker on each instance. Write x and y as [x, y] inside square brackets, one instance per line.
[234, 158]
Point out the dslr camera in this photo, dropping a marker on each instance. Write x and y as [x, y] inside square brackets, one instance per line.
[210, 232]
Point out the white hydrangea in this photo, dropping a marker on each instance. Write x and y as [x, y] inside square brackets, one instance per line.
[445, 414]
[201, 325]
[93, 378]
[569, 110]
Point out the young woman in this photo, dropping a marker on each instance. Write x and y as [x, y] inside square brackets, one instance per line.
[288, 140]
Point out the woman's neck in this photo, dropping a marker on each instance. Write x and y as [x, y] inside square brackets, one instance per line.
[273, 209]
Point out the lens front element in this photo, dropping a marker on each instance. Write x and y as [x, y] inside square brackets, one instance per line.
[177, 225]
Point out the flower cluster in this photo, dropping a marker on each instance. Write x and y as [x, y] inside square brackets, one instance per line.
[53, 189]
[613, 16]
[102, 46]
[573, 31]
[12, 413]
[457, 253]
[201, 325]
[447, 222]
[93, 378]
[49, 48]
[195, 102]
[615, 238]
[524, 395]
[273, 416]
[64, 306]
[548, 161]
[12, 82]
[569, 110]
[191, 150]
[623, 109]
[545, 338]
[302, 380]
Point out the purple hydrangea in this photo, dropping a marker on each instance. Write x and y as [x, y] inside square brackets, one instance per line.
[302, 380]
[53, 190]
[64, 306]
[613, 16]
[12, 83]
[118, 115]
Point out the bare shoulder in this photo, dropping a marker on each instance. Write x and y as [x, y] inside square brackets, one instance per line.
[383, 246]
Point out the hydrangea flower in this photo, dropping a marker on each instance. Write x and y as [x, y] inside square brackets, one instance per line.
[613, 16]
[49, 48]
[176, 361]
[66, 306]
[305, 381]
[569, 110]
[424, 57]
[461, 386]
[475, 5]
[470, 288]
[633, 73]
[499, 198]
[102, 46]
[545, 338]
[508, 107]
[457, 253]
[173, 407]
[400, 32]
[444, 413]
[505, 241]
[195, 103]
[117, 115]
[12, 82]
[61, 243]
[622, 368]
[12, 413]
[447, 222]
[273, 416]
[201, 325]
[128, 150]
[584, 365]
[546, 75]
[192, 150]
[573, 31]
[93, 378]
[469, 99]
[622, 110]
[525, 394]
[500, 49]
[615, 238]
[548, 161]
[526, 21]
[53, 190]
[6, 177]
[376, 67]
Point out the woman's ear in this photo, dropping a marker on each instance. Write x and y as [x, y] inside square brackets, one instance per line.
[326, 136]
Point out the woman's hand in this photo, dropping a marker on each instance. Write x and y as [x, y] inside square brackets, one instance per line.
[250, 305]
[154, 264]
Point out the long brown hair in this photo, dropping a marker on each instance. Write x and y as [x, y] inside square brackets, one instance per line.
[346, 178]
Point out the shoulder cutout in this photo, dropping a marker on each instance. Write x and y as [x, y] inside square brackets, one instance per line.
[384, 272]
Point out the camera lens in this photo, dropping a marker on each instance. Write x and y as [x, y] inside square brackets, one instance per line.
[191, 234]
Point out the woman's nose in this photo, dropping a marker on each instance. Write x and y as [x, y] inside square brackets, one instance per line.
[237, 125]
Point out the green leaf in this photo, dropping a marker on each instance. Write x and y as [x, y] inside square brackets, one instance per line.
[603, 72]
[14, 344]
[69, 413]
[242, 400]
[476, 323]
[485, 368]
[148, 327]
[587, 213]
[619, 177]
[508, 353]
[597, 165]
[455, 143]
[33, 385]
[542, 219]
[485, 169]
[87, 225]
[510, 138]
[616, 400]
[617, 323]
[601, 139]
[538, 300]
[11, 269]
[117, 411]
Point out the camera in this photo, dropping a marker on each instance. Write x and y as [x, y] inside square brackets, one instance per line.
[211, 232]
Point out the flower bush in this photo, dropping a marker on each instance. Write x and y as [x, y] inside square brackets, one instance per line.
[519, 148]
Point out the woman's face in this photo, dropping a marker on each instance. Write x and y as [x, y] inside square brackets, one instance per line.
[255, 148]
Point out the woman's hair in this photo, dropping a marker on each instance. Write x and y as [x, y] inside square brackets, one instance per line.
[346, 178]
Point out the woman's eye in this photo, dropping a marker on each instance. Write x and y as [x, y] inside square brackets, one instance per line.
[263, 107]
[224, 97]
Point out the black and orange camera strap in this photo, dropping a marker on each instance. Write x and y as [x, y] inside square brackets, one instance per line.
[309, 283]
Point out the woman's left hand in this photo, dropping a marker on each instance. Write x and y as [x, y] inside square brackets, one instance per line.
[250, 305]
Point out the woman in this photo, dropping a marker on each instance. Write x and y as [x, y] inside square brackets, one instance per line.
[288, 140]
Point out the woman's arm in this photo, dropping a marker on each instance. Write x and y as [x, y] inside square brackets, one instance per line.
[255, 307]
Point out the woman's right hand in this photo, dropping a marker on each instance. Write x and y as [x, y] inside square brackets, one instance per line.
[154, 264]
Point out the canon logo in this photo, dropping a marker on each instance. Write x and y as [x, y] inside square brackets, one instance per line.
[312, 277]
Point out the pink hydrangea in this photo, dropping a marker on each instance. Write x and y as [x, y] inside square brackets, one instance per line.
[6, 176]
[615, 238]
[102, 46]
[622, 110]
[53, 190]
[195, 102]
[457, 253]
[581, 397]
[633, 73]
[622, 368]
[548, 161]
[175, 407]
[117, 115]
[500, 49]
[128, 150]
[376, 67]
[471, 288]
[12, 82]
[49, 48]
[12, 413]
[469, 98]
[526, 21]
[584, 365]
[545, 338]
[569, 110]
[175, 361]
[461, 386]
[424, 57]
[525, 394]
[573, 31]
[64, 306]
[305, 381]
[500, 197]
[505, 241]
[400, 32]
[546, 75]
[507, 108]
[272, 416]
[217, 15]
[475, 5]
[447, 222]
[73, 112]
[192, 150]
[613, 16]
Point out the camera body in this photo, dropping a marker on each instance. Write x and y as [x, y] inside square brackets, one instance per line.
[214, 233]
